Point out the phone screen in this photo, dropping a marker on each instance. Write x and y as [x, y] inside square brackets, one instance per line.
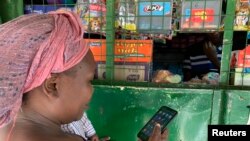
[163, 116]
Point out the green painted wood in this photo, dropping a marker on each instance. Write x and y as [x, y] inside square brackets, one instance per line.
[236, 111]
[227, 42]
[121, 111]
[165, 85]
[110, 39]
[217, 107]
[10, 9]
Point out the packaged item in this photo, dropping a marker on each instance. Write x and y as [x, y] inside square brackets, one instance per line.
[92, 14]
[124, 50]
[201, 14]
[154, 16]
[241, 21]
[136, 72]
[165, 76]
[243, 59]
[125, 14]
[39, 9]
[176, 13]
[242, 77]
[195, 80]
[211, 78]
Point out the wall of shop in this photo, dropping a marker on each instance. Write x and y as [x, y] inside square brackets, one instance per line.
[121, 111]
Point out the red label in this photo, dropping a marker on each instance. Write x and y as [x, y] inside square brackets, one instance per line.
[244, 0]
[202, 15]
[124, 50]
[97, 7]
[244, 58]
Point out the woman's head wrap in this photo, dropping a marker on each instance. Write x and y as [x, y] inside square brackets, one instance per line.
[31, 48]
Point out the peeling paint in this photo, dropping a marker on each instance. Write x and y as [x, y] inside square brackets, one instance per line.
[122, 88]
[130, 108]
[241, 98]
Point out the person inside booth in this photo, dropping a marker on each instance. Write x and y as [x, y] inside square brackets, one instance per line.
[204, 56]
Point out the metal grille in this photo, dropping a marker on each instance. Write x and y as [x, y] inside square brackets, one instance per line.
[145, 42]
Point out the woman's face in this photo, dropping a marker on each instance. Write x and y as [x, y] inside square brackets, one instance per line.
[75, 89]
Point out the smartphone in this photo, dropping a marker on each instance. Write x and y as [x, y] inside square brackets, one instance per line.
[163, 116]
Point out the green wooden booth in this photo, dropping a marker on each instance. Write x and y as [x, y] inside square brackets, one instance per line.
[120, 109]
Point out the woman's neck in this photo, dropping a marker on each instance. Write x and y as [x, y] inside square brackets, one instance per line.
[32, 118]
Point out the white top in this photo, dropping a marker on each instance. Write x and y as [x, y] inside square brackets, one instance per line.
[82, 127]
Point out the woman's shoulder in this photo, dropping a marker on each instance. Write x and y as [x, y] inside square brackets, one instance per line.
[40, 137]
[39, 134]
[63, 138]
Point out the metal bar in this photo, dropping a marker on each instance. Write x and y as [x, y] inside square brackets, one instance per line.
[222, 119]
[227, 42]
[10, 9]
[110, 39]
[216, 107]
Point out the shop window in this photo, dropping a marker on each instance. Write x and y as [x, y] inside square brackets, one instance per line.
[159, 42]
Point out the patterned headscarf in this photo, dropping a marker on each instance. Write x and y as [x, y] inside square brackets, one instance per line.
[31, 48]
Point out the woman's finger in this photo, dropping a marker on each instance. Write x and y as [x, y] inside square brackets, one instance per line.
[156, 135]
[164, 135]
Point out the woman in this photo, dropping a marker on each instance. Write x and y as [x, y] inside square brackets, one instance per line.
[46, 72]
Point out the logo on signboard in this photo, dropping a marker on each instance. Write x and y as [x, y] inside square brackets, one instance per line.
[153, 7]
[200, 15]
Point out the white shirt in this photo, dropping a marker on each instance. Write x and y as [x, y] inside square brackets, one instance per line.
[82, 127]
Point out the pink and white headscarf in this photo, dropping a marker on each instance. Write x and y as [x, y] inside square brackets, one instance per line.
[31, 48]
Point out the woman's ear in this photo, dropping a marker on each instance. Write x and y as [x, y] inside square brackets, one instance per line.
[50, 86]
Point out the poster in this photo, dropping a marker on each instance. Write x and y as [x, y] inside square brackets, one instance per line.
[154, 16]
[92, 14]
[241, 21]
[126, 14]
[201, 14]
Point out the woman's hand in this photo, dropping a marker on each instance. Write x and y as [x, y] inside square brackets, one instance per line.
[156, 135]
[96, 138]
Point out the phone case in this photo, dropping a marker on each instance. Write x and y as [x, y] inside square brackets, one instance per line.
[163, 116]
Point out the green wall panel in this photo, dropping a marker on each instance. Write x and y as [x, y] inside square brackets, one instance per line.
[236, 111]
[10, 9]
[121, 111]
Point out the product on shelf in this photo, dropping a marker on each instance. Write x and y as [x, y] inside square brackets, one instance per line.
[92, 14]
[165, 76]
[201, 14]
[126, 14]
[154, 16]
[241, 21]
